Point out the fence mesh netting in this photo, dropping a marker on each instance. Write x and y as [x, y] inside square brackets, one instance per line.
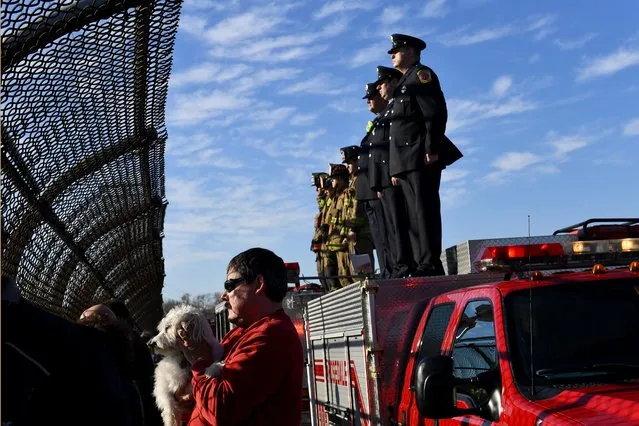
[84, 87]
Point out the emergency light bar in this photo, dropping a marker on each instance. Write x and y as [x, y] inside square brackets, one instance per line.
[574, 255]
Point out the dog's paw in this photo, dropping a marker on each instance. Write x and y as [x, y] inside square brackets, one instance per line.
[214, 370]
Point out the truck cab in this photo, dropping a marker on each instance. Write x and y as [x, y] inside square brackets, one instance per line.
[560, 350]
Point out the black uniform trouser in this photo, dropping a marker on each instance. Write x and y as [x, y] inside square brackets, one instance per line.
[421, 189]
[377, 225]
[394, 207]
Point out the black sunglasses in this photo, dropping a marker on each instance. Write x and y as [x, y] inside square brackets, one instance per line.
[229, 285]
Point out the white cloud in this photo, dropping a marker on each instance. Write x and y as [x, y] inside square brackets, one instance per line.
[450, 175]
[303, 119]
[534, 58]
[575, 43]
[631, 128]
[341, 6]
[200, 5]
[501, 85]
[609, 64]
[199, 150]
[245, 26]
[463, 112]
[348, 105]
[453, 197]
[435, 9]
[370, 54]
[542, 26]
[462, 38]
[195, 107]
[515, 161]
[567, 144]
[392, 14]
[295, 146]
[207, 73]
[322, 84]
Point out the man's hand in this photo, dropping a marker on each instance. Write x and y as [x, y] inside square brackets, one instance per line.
[430, 158]
[395, 181]
[379, 195]
[193, 351]
[352, 236]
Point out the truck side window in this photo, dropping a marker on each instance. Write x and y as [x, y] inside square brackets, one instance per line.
[475, 350]
[434, 331]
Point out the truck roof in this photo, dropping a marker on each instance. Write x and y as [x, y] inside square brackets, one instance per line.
[549, 279]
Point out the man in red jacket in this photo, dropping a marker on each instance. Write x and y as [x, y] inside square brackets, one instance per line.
[261, 381]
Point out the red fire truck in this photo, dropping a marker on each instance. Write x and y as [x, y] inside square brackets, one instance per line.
[534, 331]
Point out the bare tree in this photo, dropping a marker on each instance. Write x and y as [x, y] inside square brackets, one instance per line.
[205, 302]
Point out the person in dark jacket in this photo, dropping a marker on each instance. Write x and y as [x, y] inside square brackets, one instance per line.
[419, 150]
[143, 367]
[55, 371]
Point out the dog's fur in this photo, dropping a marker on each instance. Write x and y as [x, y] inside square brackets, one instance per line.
[173, 370]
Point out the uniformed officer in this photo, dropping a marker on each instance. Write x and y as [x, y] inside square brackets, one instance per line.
[393, 204]
[370, 199]
[316, 242]
[357, 229]
[419, 151]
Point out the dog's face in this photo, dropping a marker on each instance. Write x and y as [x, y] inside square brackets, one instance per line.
[181, 316]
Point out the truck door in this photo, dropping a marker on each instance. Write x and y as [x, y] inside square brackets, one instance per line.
[474, 350]
[461, 325]
[426, 344]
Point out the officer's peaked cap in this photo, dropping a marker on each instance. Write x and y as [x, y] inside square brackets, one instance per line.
[386, 73]
[371, 91]
[400, 40]
[349, 153]
[337, 170]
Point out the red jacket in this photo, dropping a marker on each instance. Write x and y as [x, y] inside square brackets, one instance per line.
[261, 382]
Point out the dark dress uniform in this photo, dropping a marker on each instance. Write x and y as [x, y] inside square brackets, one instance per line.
[417, 125]
[392, 200]
[371, 203]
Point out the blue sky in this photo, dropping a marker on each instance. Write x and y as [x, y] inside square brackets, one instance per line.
[543, 100]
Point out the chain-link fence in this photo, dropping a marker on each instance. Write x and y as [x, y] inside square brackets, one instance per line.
[84, 87]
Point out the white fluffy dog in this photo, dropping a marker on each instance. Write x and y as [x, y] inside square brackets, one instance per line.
[173, 371]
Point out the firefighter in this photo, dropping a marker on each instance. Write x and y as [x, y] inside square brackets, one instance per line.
[393, 204]
[356, 229]
[337, 243]
[316, 242]
[328, 256]
[419, 150]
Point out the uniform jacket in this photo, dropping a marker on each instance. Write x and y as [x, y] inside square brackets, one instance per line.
[261, 382]
[363, 188]
[379, 159]
[317, 233]
[418, 122]
[336, 227]
[355, 219]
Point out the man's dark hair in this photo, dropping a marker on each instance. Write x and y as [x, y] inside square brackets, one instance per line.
[259, 261]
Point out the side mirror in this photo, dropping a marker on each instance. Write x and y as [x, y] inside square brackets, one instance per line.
[435, 388]
[436, 396]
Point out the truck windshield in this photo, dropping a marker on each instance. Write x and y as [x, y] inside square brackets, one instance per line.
[582, 333]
